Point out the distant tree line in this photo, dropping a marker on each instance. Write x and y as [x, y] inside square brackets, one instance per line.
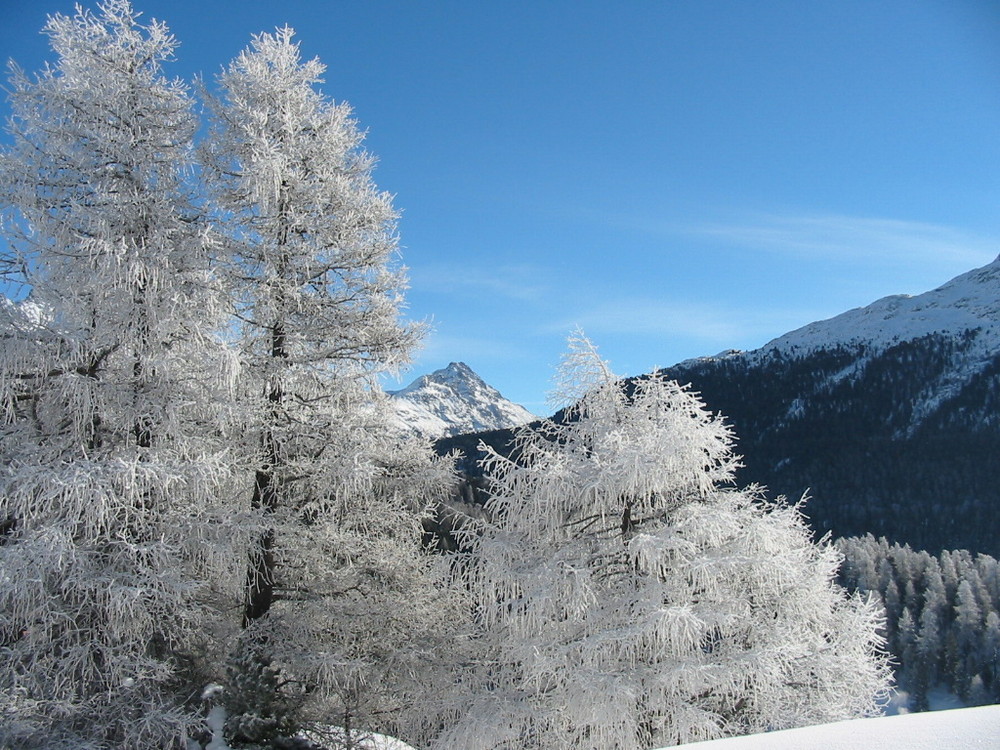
[942, 616]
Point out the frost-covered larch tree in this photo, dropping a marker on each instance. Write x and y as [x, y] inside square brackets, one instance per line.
[111, 508]
[339, 595]
[629, 596]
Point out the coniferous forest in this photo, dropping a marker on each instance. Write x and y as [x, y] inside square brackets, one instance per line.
[942, 616]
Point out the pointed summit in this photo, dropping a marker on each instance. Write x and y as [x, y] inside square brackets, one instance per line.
[459, 368]
[457, 376]
[455, 400]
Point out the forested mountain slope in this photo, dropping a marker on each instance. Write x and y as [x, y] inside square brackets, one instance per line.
[887, 415]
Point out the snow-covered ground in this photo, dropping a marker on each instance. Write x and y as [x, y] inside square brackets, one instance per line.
[959, 729]
[955, 729]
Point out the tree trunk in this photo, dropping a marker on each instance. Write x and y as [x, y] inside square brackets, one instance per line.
[266, 496]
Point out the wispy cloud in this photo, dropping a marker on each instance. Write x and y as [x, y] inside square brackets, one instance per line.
[722, 325]
[853, 238]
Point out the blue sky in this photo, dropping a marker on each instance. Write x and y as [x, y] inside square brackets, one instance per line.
[677, 178]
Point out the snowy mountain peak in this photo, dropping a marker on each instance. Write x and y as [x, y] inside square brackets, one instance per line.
[457, 377]
[455, 400]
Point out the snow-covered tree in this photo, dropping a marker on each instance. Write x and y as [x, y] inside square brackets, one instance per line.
[111, 450]
[628, 596]
[339, 595]
[940, 639]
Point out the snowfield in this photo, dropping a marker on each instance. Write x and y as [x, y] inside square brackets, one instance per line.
[954, 729]
[969, 301]
[959, 729]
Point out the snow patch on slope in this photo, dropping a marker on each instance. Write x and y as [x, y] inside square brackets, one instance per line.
[969, 301]
[968, 304]
[453, 401]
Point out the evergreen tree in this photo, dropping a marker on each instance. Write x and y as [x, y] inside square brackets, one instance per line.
[893, 604]
[930, 638]
[941, 638]
[990, 651]
[968, 624]
[340, 596]
[627, 596]
[114, 522]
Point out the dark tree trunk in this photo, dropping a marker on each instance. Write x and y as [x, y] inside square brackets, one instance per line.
[266, 497]
[260, 573]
